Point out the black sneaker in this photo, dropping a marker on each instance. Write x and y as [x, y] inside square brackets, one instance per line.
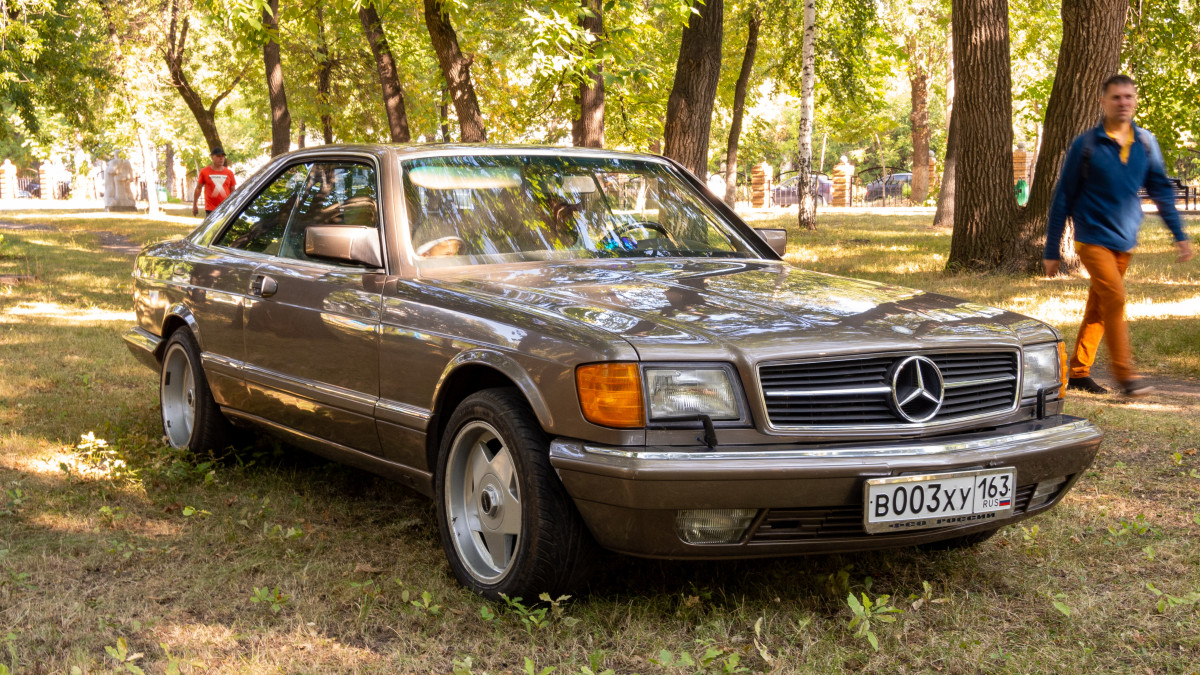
[1086, 384]
[1137, 389]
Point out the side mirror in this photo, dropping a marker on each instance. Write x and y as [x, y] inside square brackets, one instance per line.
[355, 245]
[776, 238]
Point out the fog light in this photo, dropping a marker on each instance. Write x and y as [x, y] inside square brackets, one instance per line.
[713, 526]
[1046, 490]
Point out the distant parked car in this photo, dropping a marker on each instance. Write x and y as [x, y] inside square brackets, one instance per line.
[895, 187]
[785, 193]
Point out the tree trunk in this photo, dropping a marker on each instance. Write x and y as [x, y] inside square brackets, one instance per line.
[300, 136]
[919, 121]
[169, 161]
[324, 74]
[389, 81]
[1090, 52]
[944, 216]
[697, 71]
[739, 106]
[456, 68]
[174, 54]
[281, 120]
[806, 193]
[587, 130]
[983, 215]
[444, 113]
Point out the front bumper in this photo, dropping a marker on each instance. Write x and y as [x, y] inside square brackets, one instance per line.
[143, 345]
[809, 499]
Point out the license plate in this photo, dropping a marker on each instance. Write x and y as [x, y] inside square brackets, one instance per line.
[908, 503]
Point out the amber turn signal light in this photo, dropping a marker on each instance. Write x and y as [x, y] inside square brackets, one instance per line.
[1062, 368]
[610, 394]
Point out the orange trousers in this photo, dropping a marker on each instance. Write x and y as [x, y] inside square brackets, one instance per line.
[1104, 316]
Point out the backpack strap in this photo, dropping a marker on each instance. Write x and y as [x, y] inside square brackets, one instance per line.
[1085, 162]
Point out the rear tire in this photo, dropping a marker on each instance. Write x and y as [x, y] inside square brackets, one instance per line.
[190, 417]
[506, 522]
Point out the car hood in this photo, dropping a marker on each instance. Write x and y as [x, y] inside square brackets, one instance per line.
[709, 309]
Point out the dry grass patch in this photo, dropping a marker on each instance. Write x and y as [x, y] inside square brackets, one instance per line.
[270, 560]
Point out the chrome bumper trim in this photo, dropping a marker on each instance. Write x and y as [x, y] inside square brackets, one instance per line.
[144, 345]
[1079, 431]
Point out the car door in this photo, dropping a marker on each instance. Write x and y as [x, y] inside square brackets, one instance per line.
[312, 329]
[219, 278]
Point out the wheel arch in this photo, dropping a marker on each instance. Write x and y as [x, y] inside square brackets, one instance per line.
[475, 371]
[178, 316]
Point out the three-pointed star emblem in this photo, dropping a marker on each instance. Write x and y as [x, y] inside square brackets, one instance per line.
[917, 389]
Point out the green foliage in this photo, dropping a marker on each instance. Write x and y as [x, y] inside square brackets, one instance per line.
[1162, 54]
[1167, 601]
[868, 611]
[270, 598]
[126, 661]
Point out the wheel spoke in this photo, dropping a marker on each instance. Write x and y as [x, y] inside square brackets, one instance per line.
[502, 466]
[477, 466]
[511, 522]
[497, 547]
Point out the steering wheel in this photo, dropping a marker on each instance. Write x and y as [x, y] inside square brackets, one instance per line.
[645, 225]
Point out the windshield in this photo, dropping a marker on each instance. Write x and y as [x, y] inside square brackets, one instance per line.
[484, 209]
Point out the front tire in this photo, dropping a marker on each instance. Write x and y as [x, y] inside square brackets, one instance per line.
[506, 522]
[190, 417]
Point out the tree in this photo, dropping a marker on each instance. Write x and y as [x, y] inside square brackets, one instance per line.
[587, 130]
[281, 119]
[1090, 52]
[697, 72]
[174, 54]
[983, 215]
[393, 94]
[739, 104]
[944, 216]
[1162, 54]
[456, 68]
[805, 187]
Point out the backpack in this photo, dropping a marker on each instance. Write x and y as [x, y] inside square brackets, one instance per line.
[1089, 148]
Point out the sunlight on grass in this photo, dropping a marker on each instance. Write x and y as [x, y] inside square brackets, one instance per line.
[1189, 307]
[64, 315]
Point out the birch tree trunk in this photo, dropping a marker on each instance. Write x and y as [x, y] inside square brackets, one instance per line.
[804, 188]
[281, 119]
[587, 130]
[385, 66]
[697, 72]
[739, 106]
[456, 68]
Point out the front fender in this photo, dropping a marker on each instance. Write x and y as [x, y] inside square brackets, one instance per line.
[505, 364]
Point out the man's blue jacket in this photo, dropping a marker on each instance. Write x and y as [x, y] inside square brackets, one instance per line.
[1106, 208]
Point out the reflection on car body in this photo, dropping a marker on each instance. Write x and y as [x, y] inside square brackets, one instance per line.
[570, 348]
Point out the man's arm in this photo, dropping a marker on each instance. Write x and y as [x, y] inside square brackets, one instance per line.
[1063, 204]
[196, 193]
[1162, 193]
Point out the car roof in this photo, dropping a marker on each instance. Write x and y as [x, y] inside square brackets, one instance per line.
[414, 150]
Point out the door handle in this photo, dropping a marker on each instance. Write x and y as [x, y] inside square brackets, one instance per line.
[263, 286]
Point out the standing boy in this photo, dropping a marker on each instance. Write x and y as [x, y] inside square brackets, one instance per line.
[1103, 171]
[216, 180]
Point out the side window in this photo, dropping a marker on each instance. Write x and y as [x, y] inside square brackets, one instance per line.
[336, 194]
[260, 226]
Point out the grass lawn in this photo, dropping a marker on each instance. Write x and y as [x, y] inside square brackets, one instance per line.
[271, 560]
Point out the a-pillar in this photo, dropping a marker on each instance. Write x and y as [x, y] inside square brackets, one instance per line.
[45, 180]
[8, 180]
[843, 174]
[760, 185]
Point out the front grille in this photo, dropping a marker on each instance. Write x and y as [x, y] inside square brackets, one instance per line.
[856, 392]
[781, 526]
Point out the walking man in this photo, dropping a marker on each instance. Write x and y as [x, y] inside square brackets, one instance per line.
[216, 180]
[1104, 168]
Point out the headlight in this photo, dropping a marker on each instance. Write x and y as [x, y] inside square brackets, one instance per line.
[686, 392]
[1042, 369]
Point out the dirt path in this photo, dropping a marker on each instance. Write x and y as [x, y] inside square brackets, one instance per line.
[109, 241]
